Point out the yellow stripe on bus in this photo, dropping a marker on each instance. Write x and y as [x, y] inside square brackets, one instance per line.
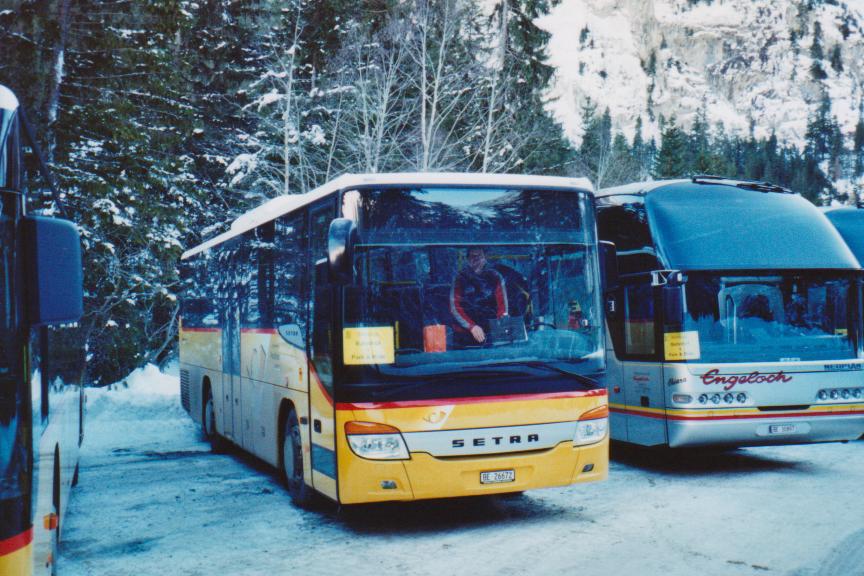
[17, 563]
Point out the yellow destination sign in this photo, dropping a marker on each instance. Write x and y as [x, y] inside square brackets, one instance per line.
[681, 345]
[368, 345]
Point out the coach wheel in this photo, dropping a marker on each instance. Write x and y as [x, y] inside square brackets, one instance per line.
[292, 461]
[216, 442]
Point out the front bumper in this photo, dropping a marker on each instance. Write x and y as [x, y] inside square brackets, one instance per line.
[425, 476]
[765, 430]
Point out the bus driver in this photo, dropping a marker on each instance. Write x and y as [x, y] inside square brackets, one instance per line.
[482, 293]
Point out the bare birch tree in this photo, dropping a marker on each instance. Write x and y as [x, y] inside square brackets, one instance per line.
[443, 78]
[375, 110]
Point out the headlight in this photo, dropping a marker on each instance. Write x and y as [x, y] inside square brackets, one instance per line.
[376, 441]
[592, 426]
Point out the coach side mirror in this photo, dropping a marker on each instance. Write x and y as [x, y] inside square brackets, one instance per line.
[54, 275]
[608, 266]
[340, 250]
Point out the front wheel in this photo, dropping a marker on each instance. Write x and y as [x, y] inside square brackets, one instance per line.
[292, 461]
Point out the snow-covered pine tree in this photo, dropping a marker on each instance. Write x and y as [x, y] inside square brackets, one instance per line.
[124, 121]
[533, 141]
[672, 157]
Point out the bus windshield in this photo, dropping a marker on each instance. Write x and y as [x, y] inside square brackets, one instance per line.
[773, 318]
[472, 285]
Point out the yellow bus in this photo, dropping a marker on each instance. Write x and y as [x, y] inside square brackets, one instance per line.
[41, 362]
[404, 336]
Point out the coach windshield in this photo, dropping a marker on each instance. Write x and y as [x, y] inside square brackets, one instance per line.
[773, 318]
[472, 292]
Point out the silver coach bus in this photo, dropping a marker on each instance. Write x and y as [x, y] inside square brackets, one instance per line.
[736, 320]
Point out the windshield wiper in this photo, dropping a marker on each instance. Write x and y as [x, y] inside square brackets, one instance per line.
[763, 187]
[538, 365]
[744, 184]
[493, 371]
[427, 379]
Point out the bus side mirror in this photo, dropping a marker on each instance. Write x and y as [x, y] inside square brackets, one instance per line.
[608, 266]
[340, 250]
[54, 275]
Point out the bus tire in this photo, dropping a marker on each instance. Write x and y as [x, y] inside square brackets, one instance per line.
[292, 461]
[217, 443]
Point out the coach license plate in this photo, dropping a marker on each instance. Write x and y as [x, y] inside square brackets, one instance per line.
[497, 476]
[782, 429]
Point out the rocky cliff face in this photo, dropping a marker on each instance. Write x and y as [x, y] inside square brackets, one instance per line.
[764, 63]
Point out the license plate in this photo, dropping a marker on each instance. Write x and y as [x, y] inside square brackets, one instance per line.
[497, 476]
[782, 429]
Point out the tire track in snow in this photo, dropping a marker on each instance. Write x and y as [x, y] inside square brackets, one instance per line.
[846, 559]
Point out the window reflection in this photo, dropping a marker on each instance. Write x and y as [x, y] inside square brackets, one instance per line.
[771, 318]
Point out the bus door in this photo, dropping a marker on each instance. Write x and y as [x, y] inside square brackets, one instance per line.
[322, 415]
[642, 371]
[232, 414]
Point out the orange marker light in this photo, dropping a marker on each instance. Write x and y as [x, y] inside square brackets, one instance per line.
[51, 521]
[369, 428]
[594, 413]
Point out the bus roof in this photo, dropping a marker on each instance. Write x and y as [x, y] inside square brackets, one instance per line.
[637, 188]
[725, 224]
[282, 205]
[849, 221]
[8, 101]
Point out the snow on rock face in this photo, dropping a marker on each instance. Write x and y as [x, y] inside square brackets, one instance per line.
[747, 60]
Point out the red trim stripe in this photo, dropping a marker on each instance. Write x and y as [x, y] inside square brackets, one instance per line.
[734, 416]
[798, 415]
[637, 413]
[16, 543]
[470, 400]
[242, 330]
[258, 331]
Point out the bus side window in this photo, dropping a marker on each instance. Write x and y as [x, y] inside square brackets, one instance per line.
[258, 277]
[626, 225]
[639, 332]
[289, 271]
[207, 288]
[247, 263]
[193, 305]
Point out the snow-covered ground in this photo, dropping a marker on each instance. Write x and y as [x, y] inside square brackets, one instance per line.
[153, 499]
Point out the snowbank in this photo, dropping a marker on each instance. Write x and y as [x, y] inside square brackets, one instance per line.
[149, 389]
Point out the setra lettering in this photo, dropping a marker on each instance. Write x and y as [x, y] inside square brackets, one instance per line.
[731, 380]
[481, 441]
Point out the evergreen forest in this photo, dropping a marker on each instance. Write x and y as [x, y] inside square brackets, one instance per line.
[164, 119]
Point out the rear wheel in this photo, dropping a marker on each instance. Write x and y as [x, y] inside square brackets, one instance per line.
[217, 444]
[292, 461]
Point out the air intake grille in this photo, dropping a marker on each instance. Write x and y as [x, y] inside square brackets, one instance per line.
[184, 390]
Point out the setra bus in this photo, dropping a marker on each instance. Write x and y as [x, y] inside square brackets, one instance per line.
[736, 320]
[41, 361]
[324, 333]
